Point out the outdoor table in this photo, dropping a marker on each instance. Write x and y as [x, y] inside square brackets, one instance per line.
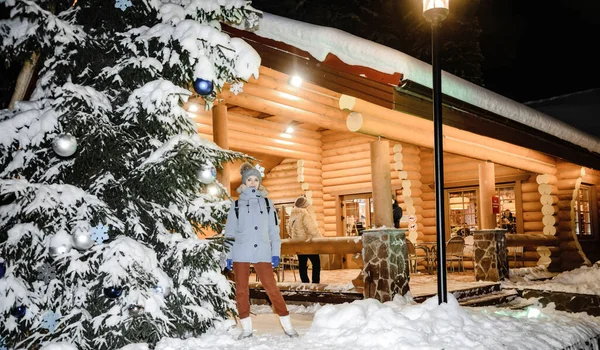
[430, 249]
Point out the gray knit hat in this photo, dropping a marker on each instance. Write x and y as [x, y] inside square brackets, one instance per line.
[248, 170]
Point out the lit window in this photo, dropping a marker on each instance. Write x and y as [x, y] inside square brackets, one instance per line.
[583, 219]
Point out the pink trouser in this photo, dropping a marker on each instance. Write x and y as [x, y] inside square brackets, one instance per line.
[264, 271]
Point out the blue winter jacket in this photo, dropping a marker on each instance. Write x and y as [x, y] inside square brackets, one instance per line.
[256, 232]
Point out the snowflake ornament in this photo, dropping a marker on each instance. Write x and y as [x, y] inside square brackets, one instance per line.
[123, 4]
[251, 22]
[237, 87]
[46, 273]
[261, 170]
[99, 233]
[50, 320]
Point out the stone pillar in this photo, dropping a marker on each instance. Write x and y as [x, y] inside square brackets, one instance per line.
[221, 138]
[386, 263]
[490, 255]
[381, 178]
[487, 189]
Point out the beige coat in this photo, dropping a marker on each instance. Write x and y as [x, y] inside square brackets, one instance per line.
[301, 225]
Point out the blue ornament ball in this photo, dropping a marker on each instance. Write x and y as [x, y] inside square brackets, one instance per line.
[2, 269]
[19, 311]
[203, 87]
[113, 292]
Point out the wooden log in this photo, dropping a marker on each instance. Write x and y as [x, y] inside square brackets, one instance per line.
[406, 148]
[533, 216]
[533, 226]
[291, 187]
[569, 245]
[546, 199]
[346, 165]
[565, 205]
[547, 189]
[411, 192]
[275, 181]
[347, 172]
[346, 150]
[549, 220]
[407, 166]
[293, 101]
[532, 206]
[347, 180]
[236, 144]
[546, 179]
[527, 187]
[549, 230]
[515, 240]
[568, 184]
[564, 215]
[412, 184]
[570, 173]
[276, 108]
[530, 197]
[549, 210]
[407, 158]
[409, 175]
[264, 128]
[346, 142]
[346, 157]
[284, 87]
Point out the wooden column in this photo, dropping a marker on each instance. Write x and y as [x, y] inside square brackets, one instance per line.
[487, 189]
[221, 138]
[382, 184]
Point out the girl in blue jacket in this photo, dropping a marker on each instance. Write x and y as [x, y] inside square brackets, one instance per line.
[253, 224]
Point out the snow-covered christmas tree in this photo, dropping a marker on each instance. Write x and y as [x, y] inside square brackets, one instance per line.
[103, 178]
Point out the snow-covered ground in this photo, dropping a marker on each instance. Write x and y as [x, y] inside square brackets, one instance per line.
[403, 324]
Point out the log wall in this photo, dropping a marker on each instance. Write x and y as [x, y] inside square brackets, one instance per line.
[346, 170]
[409, 197]
[569, 177]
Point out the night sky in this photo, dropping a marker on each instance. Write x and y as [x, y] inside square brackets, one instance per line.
[540, 49]
[532, 49]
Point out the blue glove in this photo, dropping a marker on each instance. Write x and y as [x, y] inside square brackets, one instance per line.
[229, 265]
[274, 261]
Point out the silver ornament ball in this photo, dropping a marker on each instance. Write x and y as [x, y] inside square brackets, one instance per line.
[207, 174]
[64, 145]
[82, 241]
[58, 251]
[135, 309]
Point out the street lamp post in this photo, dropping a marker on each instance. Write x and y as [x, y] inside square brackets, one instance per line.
[435, 11]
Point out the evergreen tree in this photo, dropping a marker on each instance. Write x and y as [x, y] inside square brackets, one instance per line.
[103, 177]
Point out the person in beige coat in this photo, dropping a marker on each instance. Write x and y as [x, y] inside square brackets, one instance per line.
[302, 226]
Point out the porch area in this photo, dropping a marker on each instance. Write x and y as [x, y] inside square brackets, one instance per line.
[336, 287]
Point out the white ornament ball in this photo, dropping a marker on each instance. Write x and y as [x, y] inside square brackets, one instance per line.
[207, 174]
[60, 250]
[65, 145]
[165, 291]
[82, 241]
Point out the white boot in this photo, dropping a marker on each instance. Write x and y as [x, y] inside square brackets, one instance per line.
[246, 328]
[286, 323]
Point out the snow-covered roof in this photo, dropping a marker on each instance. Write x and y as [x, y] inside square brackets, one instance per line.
[320, 41]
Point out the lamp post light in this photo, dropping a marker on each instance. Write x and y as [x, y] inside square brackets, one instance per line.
[435, 11]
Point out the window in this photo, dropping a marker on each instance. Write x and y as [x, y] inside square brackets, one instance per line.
[507, 217]
[462, 204]
[358, 213]
[283, 212]
[584, 222]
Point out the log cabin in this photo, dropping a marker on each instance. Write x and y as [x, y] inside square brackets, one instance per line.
[314, 140]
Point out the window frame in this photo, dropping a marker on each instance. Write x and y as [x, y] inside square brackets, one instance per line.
[592, 211]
